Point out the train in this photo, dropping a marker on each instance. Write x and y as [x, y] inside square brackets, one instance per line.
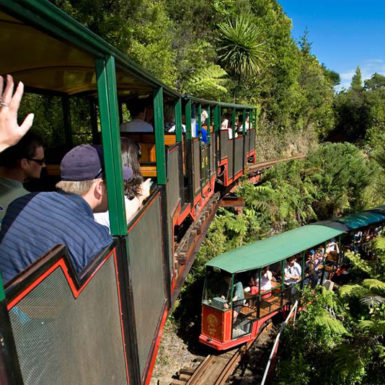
[104, 327]
[231, 318]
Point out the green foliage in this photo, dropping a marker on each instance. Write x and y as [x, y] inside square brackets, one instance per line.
[221, 50]
[239, 46]
[208, 83]
[354, 347]
[360, 112]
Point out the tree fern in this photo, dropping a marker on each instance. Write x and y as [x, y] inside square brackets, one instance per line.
[208, 82]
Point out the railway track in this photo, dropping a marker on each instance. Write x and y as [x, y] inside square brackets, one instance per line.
[267, 164]
[214, 369]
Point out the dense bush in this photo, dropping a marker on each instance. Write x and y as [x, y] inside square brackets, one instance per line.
[340, 338]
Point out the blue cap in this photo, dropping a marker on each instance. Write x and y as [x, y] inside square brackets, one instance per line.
[312, 252]
[85, 162]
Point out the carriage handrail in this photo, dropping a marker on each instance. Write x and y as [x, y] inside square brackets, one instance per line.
[293, 309]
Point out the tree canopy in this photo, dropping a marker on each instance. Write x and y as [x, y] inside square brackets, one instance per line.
[218, 49]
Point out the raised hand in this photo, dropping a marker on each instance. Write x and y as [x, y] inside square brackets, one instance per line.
[10, 131]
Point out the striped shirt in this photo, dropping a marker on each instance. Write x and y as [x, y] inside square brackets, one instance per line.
[37, 222]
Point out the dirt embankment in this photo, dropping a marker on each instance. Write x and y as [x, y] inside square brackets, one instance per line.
[172, 356]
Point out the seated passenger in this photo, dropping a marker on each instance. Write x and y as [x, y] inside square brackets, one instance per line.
[19, 164]
[141, 113]
[37, 222]
[204, 116]
[10, 131]
[169, 118]
[293, 271]
[238, 297]
[135, 190]
[332, 245]
[225, 124]
[266, 278]
[247, 124]
[311, 274]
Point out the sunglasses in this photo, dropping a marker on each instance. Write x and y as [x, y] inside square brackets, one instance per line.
[38, 161]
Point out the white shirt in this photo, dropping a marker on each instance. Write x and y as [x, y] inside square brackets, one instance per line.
[132, 206]
[136, 125]
[292, 270]
[266, 280]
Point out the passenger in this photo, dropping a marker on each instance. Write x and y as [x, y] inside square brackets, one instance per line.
[37, 222]
[18, 164]
[10, 131]
[204, 116]
[135, 190]
[266, 278]
[357, 241]
[247, 124]
[238, 297]
[293, 271]
[293, 275]
[253, 288]
[141, 114]
[170, 127]
[332, 245]
[225, 124]
[311, 273]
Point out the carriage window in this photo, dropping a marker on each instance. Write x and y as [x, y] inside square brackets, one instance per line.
[217, 290]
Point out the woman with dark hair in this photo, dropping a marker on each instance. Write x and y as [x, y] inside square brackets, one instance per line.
[135, 190]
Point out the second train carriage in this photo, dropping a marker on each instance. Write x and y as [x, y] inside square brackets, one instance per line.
[232, 315]
[104, 326]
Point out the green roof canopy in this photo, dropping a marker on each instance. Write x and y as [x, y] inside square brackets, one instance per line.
[274, 249]
[364, 218]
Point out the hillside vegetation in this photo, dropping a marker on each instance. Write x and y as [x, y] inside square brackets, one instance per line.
[242, 51]
[227, 50]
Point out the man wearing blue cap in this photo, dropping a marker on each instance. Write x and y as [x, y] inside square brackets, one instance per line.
[37, 222]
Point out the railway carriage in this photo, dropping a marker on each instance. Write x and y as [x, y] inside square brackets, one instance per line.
[104, 327]
[229, 320]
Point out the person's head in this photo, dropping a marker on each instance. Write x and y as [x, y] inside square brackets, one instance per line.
[292, 260]
[141, 109]
[82, 173]
[204, 116]
[227, 279]
[25, 159]
[130, 158]
[169, 113]
[265, 269]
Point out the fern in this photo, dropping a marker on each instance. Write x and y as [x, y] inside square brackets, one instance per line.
[325, 320]
[374, 328]
[208, 82]
[352, 291]
[374, 284]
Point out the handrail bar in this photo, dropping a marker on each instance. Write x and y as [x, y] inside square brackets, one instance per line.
[294, 308]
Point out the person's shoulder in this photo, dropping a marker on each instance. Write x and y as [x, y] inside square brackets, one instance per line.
[147, 127]
[136, 125]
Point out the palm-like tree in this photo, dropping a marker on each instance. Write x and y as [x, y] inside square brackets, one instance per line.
[239, 47]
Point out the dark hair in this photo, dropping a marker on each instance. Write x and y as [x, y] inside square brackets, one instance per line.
[25, 148]
[138, 106]
[130, 158]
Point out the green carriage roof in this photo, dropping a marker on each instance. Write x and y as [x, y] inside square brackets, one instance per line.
[277, 248]
[364, 218]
